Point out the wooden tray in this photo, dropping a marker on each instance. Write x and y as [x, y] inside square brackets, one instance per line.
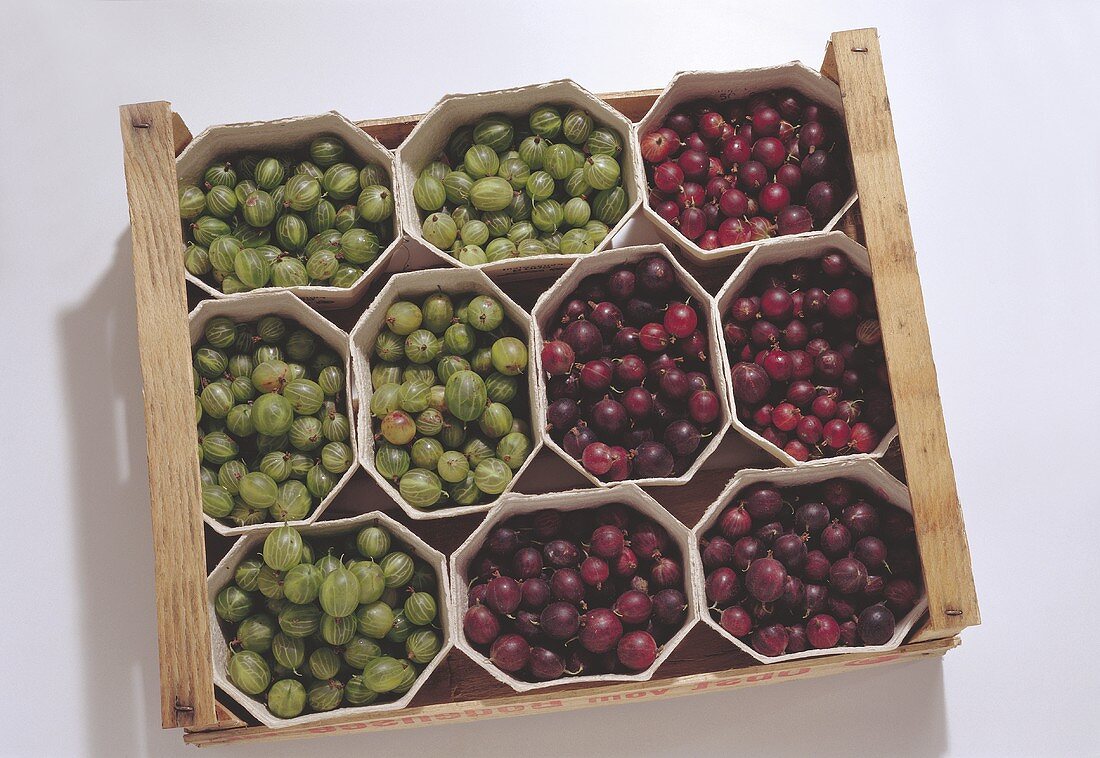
[460, 691]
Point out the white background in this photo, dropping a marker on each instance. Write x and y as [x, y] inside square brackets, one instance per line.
[997, 109]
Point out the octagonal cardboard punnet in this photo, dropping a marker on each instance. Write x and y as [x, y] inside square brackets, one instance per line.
[252, 544]
[230, 140]
[573, 500]
[780, 251]
[862, 469]
[687, 86]
[252, 307]
[430, 136]
[415, 286]
[547, 306]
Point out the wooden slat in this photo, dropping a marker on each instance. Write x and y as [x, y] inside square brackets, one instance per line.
[226, 720]
[554, 701]
[855, 59]
[187, 689]
[181, 135]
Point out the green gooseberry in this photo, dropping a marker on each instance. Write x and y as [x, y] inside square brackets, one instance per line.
[256, 632]
[374, 619]
[429, 194]
[459, 339]
[397, 568]
[345, 276]
[258, 209]
[239, 419]
[293, 501]
[403, 317]
[576, 242]
[398, 428]
[217, 502]
[491, 193]
[359, 652]
[609, 206]
[336, 457]
[425, 452]
[456, 188]
[520, 231]
[601, 171]
[439, 229]
[540, 186]
[192, 201]
[289, 272]
[420, 488]
[482, 361]
[477, 450]
[531, 151]
[221, 201]
[389, 346]
[305, 433]
[480, 162]
[429, 422]
[466, 491]
[474, 232]
[383, 372]
[514, 171]
[247, 574]
[485, 314]
[547, 215]
[499, 222]
[385, 400]
[302, 583]
[322, 265]
[520, 207]
[320, 482]
[422, 645]
[340, 181]
[286, 698]
[472, 255]
[196, 260]
[249, 672]
[495, 132]
[219, 447]
[437, 310]
[529, 247]
[372, 173]
[558, 161]
[269, 173]
[501, 388]
[545, 122]
[325, 151]
[500, 249]
[321, 217]
[421, 346]
[375, 203]
[305, 396]
[492, 476]
[513, 449]
[496, 420]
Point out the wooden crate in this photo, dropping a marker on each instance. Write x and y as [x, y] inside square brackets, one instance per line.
[459, 690]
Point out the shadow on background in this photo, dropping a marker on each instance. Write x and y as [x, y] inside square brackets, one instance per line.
[109, 488]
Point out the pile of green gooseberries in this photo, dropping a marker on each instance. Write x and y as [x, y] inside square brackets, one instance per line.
[319, 217]
[273, 438]
[449, 400]
[545, 184]
[311, 628]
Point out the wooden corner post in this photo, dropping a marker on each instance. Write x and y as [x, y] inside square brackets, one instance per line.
[854, 60]
[186, 669]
